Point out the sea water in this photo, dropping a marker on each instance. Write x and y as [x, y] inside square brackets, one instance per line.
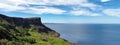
[88, 34]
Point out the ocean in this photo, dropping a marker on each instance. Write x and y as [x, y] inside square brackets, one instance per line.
[88, 34]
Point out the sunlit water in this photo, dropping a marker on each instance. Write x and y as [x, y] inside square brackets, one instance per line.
[89, 34]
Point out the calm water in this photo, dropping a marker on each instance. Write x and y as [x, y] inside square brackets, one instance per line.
[89, 34]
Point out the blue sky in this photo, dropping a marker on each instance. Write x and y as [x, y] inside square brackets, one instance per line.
[64, 11]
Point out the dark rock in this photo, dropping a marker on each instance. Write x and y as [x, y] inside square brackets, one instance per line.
[30, 21]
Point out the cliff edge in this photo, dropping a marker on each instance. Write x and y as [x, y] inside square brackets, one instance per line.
[27, 31]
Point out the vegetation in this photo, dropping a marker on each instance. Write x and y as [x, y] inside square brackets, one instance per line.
[13, 34]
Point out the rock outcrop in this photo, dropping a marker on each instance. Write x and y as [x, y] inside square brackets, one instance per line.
[20, 21]
[26, 22]
[27, 31]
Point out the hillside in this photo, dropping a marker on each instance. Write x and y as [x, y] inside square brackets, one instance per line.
[27, 31]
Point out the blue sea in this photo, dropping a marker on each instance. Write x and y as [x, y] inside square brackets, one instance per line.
[88, 34]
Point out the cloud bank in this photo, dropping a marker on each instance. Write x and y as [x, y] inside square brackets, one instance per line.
[47, 7]
[105, 0]
[112, 12]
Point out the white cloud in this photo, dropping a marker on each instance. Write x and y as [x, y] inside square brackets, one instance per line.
[44, 10]
[15, 5]
[7, 7]
[56, 2]
[24, 5]
[84, 13]
[112, 12]
[105, 0]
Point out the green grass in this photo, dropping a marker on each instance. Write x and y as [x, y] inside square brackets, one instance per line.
[19, 35]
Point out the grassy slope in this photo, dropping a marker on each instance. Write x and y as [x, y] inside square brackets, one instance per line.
[12, 34]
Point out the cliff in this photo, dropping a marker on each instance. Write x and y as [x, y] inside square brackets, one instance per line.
[17, 20]
[22, 31]
[26, 22]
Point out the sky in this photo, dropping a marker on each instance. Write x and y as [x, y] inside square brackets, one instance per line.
[64, 11]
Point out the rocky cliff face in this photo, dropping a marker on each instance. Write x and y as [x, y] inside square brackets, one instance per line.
[27, 31]
[26, 22]
[20, 21]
